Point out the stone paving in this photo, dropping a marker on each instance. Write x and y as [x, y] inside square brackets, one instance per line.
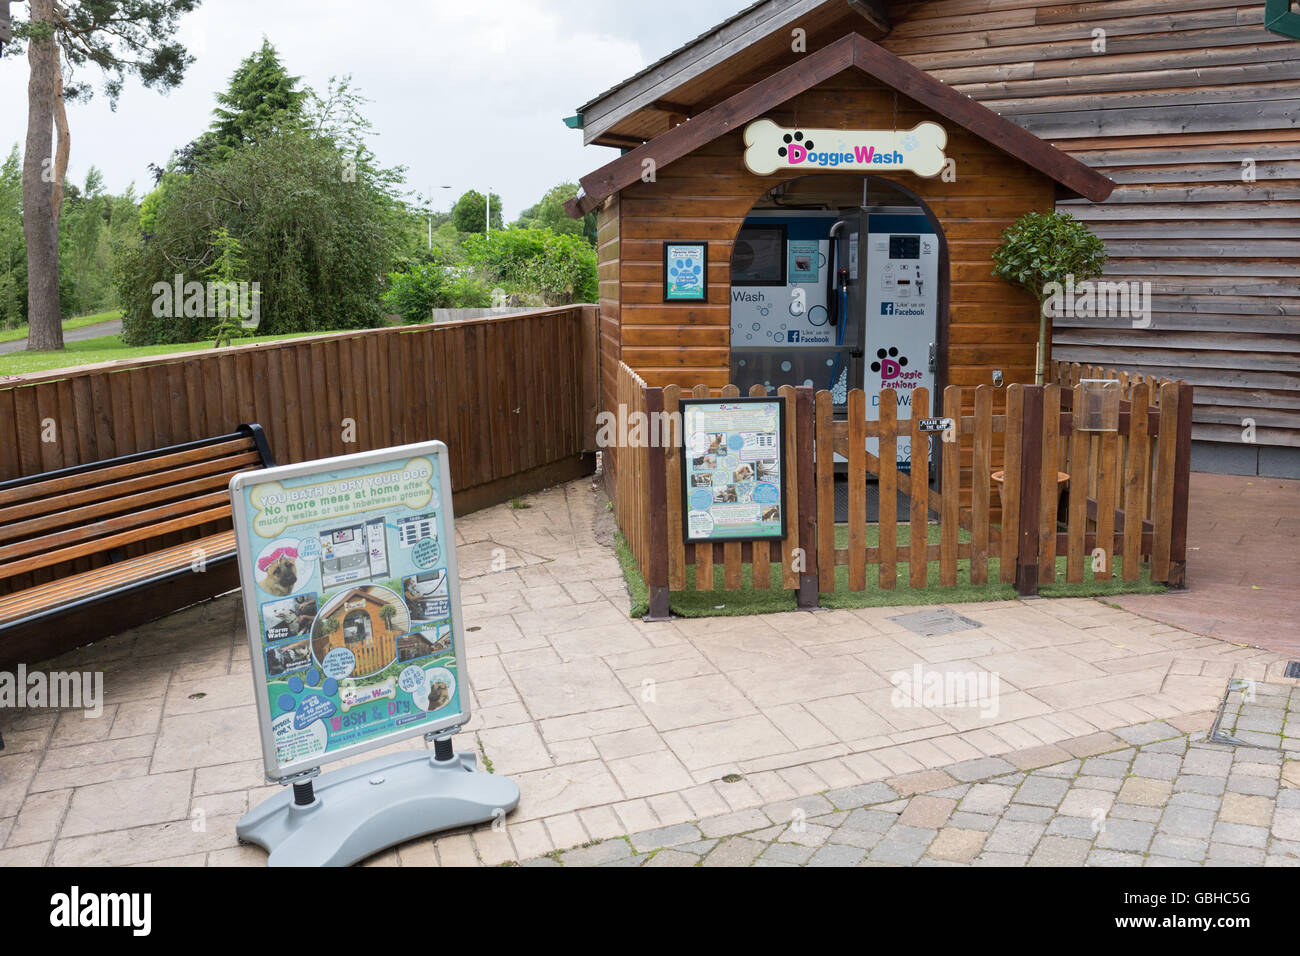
[1242, 564]
[1151, 794]
[614, 726]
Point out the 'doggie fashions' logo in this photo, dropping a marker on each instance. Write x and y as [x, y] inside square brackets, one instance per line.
[889, 364]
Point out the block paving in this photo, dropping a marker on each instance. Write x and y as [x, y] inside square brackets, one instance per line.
[615, 727]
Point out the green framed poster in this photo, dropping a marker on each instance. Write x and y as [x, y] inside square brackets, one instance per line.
[733, 473]
[805, 260]
[351, 602]
[686, 271]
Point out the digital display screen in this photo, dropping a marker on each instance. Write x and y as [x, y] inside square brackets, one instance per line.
[758, 256]
[904, 247]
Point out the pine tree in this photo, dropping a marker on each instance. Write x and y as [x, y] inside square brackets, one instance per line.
[119, 37]
[261, 98]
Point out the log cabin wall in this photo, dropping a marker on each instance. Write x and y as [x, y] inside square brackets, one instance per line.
[608, 298]
[707, 195]
[1184, 93]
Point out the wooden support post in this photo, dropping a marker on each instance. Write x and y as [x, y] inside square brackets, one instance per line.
[1031, 465]
[806, 485]
[1182, 483]
[657, 481]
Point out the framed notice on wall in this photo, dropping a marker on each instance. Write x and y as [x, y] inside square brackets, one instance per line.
[733, 469]
[348, 569]
[686, 271]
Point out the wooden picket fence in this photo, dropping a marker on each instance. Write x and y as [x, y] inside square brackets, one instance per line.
[848, 438]
[1026, 432]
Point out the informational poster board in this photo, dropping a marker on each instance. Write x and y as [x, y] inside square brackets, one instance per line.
[686, 271]
[351, 601]
[733, 469]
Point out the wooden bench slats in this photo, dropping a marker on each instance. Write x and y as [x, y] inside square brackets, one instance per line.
[225, 466]
[82, 479]
[137, 536]
[100, 545]
[123, 529]
[76, 520]
[111, 577]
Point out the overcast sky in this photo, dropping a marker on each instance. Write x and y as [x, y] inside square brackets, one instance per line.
[464, 94]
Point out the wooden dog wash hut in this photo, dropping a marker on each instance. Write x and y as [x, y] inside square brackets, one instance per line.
[839, 207]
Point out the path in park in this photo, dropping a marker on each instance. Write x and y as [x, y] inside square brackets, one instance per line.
[613, 726]
[75, 335]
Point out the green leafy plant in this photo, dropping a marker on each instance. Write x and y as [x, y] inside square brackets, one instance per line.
[560, 269]
[228, 268]
[1040, 249]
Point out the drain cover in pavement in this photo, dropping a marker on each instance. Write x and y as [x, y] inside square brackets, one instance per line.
[935, 621]
[1292, 669]
[1259, 714]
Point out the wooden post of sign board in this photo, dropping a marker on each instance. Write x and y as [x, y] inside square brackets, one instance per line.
[1031, 464]
[1182, 481]
[806, 489]
[657, 481]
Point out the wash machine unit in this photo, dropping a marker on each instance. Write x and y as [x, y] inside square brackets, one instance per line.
[837, 301]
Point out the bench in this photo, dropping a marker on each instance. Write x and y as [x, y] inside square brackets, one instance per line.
[94, 549]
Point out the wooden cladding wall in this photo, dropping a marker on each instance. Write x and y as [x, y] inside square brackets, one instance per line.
[1186, 97]
[608, 271]
[707, 194]
[513, 397]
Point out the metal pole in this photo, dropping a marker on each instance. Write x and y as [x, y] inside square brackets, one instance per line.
[488, 223]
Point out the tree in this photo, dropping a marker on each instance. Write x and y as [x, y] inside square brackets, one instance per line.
[84, 251]
[1040, 250]
[317, 243]
[118, 36]
[470, 212]
[13, 250]
[549, 214]
[260, 98]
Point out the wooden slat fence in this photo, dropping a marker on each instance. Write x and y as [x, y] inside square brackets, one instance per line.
[1024, 523]
[506, 394]
[514, 398]
[848, 438]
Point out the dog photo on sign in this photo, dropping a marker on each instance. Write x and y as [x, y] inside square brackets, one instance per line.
[280, 576]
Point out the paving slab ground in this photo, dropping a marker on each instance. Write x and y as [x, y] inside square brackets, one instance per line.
[1155, 794]
[1243, 566]
[613, 727]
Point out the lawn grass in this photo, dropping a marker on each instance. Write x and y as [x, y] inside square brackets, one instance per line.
[758, 600]
[109, 348]
[76, 322]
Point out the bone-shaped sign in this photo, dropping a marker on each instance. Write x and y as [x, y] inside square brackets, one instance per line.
[770, 148]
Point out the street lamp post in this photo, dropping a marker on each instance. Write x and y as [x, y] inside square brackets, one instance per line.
[430, 215]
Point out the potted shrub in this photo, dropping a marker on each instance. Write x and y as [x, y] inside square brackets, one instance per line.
[1042, 249]
[1040, 252]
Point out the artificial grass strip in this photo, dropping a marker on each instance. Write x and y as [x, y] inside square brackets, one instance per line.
[751, 600]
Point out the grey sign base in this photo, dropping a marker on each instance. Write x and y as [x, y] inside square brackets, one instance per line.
[362, 809]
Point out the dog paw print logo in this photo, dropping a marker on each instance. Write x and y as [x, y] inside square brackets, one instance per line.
[795, 146]
[909, 142]
[685, 273]
[889, 364]
[315, 703]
